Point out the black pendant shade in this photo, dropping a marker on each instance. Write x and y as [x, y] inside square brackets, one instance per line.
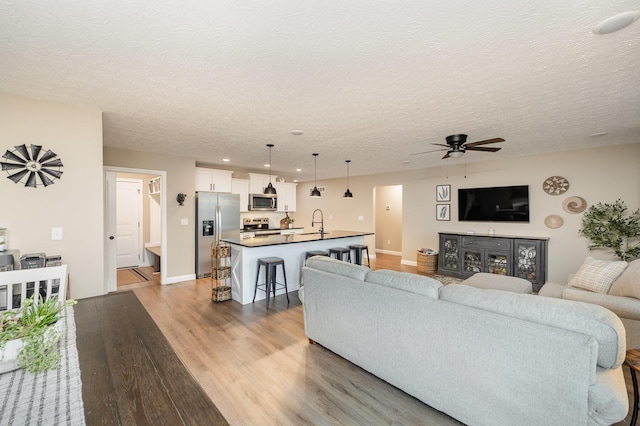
[347, 193]
[270, 189]
[315, 192]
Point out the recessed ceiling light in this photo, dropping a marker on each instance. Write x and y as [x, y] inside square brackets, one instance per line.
[297, 132]
[226, 160]
[267, 165]
[295, 180]
[595, 135]
[617, 22]
[406, 162]
[298, 170]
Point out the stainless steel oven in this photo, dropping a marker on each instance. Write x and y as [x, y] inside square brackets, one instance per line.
[263, 202]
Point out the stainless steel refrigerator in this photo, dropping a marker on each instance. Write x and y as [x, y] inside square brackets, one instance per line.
[217, 216]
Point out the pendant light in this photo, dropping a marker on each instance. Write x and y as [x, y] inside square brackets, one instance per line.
[347, 193]
[315, 192]
[270, 189]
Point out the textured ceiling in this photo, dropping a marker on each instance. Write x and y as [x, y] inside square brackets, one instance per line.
[369, 81]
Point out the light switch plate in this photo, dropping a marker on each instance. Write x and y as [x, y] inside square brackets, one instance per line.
[56, 233]
[184, 221]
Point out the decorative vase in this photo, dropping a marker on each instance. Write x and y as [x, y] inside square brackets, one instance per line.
[9, 355]
[291, 225]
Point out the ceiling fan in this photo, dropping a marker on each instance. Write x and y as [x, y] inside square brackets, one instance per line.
[457, 145]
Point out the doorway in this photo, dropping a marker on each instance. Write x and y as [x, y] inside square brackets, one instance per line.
[388, 219]
[130, 264]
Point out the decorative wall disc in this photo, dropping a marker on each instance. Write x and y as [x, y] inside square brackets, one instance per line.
[553, 221]
[574, 205]
[555, 185]
[27, 164]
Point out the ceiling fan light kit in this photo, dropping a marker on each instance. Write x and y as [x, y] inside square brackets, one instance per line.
[457, 145]
[347, 193]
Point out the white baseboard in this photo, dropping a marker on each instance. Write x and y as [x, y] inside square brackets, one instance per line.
[394, 253]
[179, 279]
[409, 262]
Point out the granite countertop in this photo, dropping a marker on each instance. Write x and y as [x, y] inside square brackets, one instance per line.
[270, 240]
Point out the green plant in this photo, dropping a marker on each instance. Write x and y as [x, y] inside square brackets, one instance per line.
[289, 221]
[608, 226]
[33, 324]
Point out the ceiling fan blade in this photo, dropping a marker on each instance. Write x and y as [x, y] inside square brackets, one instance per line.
[426, 152]
[484, 142]
[482, 148]
[446, 156]
[441, 144]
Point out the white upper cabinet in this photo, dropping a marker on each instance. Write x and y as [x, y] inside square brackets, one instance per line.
[213, 180]
[241, 187]
[258, 182]
[286, 196]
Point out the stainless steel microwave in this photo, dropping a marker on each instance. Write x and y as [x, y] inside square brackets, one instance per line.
[263, 202]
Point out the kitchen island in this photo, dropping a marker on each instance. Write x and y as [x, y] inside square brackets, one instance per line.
[292, 248]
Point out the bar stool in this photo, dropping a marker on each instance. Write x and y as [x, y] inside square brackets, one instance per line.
[340, 252]
[315, 253]
[359, 249]
[270, 284]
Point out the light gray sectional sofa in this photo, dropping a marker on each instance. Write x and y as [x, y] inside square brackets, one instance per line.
[485, 357]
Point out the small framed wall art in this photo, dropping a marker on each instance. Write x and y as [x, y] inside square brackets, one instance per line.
[443, 212]
[443, 193]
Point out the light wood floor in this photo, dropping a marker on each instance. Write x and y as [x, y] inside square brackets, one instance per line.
[258, 367]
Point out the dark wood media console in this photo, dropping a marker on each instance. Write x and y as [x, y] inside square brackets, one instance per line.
[462, 255]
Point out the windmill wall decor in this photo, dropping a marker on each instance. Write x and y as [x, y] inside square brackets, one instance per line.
[32, 166]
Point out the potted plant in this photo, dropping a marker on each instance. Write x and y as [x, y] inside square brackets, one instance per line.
[29, 336]
[290, 222]
[608, 226]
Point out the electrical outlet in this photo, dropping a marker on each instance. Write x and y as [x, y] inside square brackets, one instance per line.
[360, 217]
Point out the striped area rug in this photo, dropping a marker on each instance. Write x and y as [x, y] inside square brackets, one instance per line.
[50, 398]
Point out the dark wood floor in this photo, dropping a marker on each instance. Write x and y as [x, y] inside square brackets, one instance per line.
[255, 365]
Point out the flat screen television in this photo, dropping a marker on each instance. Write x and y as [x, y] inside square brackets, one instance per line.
[497, 204]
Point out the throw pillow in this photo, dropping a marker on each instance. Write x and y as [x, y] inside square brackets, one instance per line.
[628, 284]
[597, 275]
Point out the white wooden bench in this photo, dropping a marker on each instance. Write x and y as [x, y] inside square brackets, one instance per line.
[48, 281]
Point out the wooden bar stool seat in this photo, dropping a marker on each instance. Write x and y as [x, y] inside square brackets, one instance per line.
[270, 284]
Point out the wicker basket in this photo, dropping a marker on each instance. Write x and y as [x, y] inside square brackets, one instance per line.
[427, 263]
[221, 293]
[221, 272]
[220, 251]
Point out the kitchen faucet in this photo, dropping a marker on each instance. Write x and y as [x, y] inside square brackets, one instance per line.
[321, 222]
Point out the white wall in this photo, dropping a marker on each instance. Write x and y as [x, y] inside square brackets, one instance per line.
[74, 203]
[597, 175]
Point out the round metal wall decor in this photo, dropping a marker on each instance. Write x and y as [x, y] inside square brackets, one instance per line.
[555, 185]
[32, 166]
[574, 205]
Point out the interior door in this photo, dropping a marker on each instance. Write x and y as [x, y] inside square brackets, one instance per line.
[111, 279]
[128, 211]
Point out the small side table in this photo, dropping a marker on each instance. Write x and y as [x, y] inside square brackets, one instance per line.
[633, 361]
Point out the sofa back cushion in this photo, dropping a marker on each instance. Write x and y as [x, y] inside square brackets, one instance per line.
[628, 284]
[327, 264]
[404, 281]
[597, 275]
[592, 320]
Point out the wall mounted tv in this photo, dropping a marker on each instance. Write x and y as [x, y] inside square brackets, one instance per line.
[497, 204]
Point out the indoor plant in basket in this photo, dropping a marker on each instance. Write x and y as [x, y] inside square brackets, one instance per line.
[29, 336]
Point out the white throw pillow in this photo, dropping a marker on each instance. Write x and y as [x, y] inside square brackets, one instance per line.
[597, 275]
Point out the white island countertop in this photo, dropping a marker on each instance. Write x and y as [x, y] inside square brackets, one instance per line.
[291, 248]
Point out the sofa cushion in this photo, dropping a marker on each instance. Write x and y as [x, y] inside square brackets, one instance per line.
[597, 275]
[404, 281]
[591, 320]
[628, 284]
[335, 266]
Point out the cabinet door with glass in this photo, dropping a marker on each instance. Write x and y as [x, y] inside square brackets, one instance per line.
[449, 259]
[531, 258]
